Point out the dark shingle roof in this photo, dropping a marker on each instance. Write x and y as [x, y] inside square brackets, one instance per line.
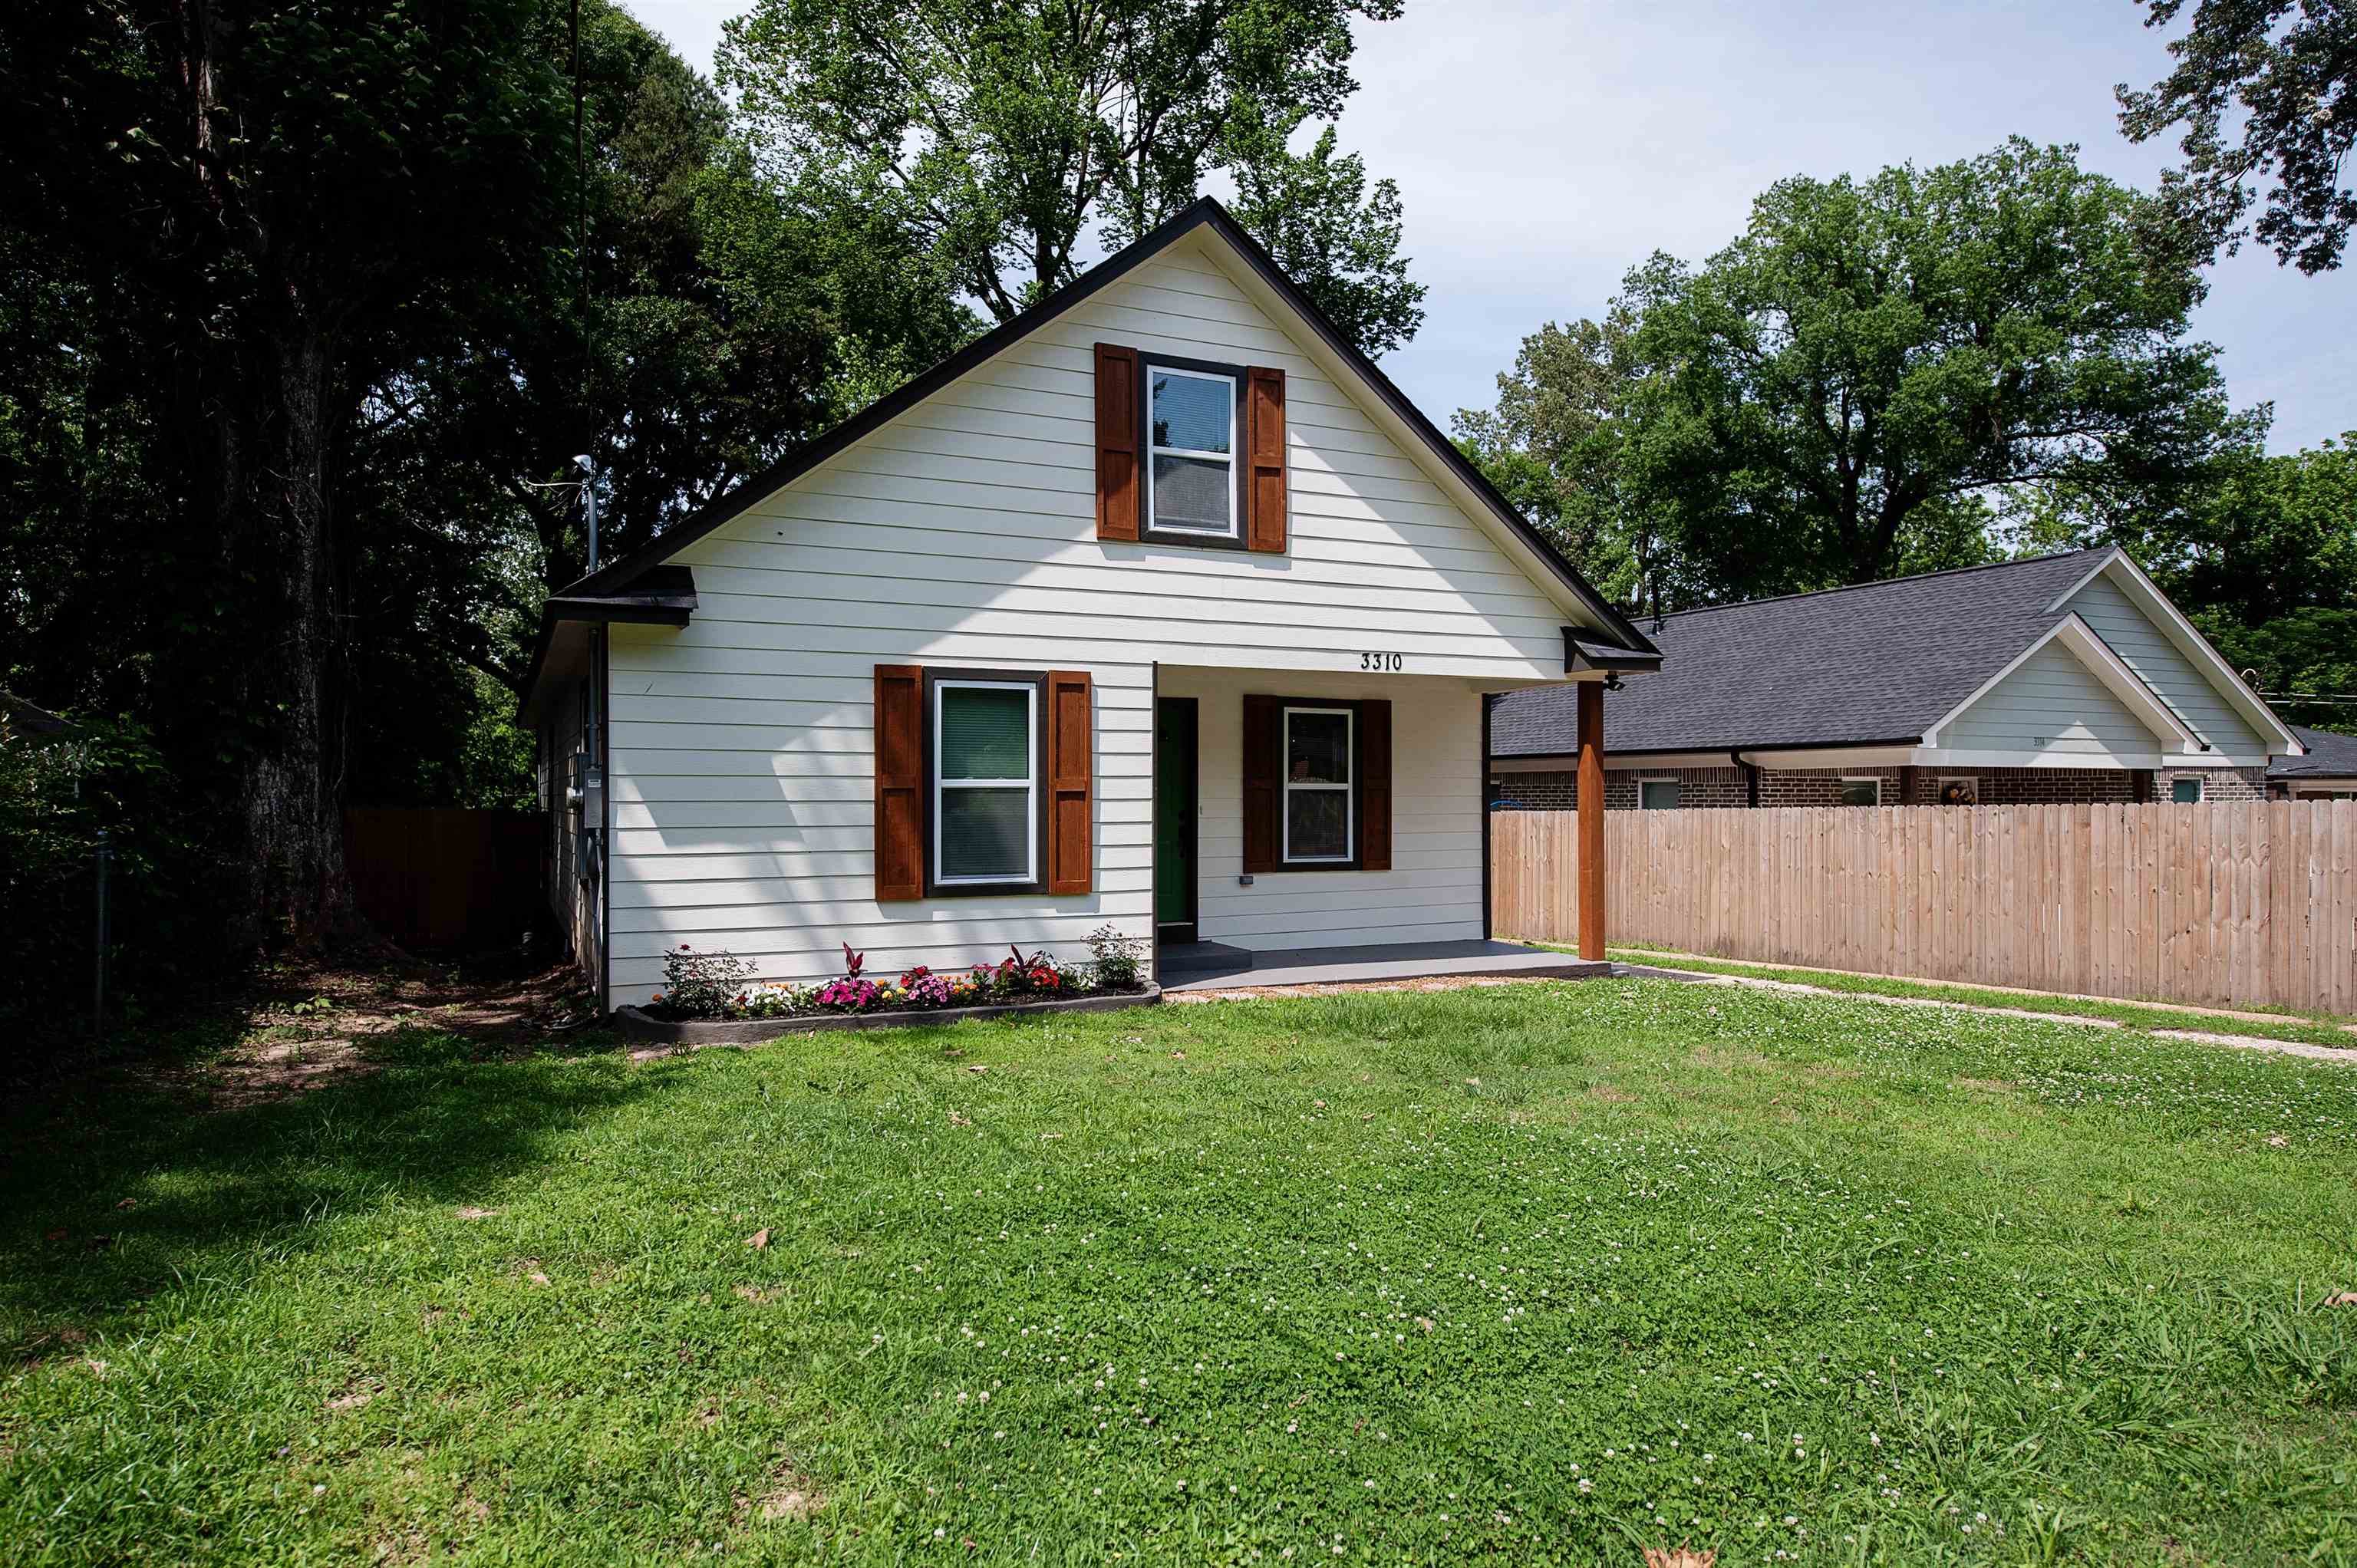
[2330, 756]
[1880, 662]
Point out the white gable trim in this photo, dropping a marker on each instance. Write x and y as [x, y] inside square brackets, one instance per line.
[2080, 639]
[2146, 595]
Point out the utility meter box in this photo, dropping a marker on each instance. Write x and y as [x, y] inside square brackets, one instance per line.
[587, 795]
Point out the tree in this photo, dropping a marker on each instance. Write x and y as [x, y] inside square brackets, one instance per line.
[264, 185]
[1336, 238]
[1554, 447]
[2289, 67]
[1838, 395]
[1004, 133]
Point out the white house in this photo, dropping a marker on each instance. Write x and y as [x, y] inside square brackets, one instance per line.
[1159, 607]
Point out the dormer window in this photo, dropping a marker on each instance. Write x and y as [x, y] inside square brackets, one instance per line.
[1193, 414]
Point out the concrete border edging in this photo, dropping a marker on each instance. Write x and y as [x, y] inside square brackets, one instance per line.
[642, 1025]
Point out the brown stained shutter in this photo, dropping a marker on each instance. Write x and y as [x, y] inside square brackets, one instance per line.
[899, 781]
[1117, 423]
[1264, 786]
[1374, 785]
[1264, 451]
[1069, 736]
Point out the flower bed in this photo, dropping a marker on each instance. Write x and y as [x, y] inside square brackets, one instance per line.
[710, 996]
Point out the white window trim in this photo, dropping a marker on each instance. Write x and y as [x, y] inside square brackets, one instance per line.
[1030, 785]
[1873, 778]
[1661, 779]
[1349, 787]
[1153, 522]
[1944, 779]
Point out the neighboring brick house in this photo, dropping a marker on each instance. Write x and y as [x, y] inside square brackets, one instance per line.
[2328, 771]
[2067, 678]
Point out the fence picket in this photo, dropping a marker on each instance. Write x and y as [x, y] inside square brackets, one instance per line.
[2233, 903]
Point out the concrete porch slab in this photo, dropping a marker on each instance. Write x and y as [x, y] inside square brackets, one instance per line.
[1216, 966]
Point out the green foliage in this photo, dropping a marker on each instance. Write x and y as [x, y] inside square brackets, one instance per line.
[1335, 238]
[1835, 397]
[1002, 137]
[2265, 90]
[1536, 1273]
[60, 790]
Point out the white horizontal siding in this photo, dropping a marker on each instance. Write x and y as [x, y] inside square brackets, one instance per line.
[1433, 892]
[2148, 650]
[964, 533]
[2054, 705]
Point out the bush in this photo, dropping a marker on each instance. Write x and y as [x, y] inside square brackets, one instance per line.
[1118, 956]
[702, 984]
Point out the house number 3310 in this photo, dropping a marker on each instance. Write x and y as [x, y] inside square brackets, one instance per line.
[1386, 661]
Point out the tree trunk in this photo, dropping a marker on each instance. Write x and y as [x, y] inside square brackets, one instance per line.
[279, 704]
[294, 790]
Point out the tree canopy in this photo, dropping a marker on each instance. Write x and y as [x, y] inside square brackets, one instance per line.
[1846, 390]
[1008, 134]
[2266, 92]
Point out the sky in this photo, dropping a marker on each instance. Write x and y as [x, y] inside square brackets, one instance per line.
[1544, 150]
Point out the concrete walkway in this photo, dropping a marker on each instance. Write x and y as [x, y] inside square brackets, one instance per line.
[1790, 987]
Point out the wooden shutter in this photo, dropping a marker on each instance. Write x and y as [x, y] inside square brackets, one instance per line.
[1264, 452]
[1375, 785]
[1070, 734]
[1118, 417]
[899, 781]
[1263, 781]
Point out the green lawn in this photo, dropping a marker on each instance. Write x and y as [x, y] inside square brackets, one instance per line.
[1525, 1273]
[2312, 1028]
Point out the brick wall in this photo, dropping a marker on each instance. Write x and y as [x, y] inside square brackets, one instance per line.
[1704, 786]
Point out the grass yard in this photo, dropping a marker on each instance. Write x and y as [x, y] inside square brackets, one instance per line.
[2310, 1028]
[1524, 1274]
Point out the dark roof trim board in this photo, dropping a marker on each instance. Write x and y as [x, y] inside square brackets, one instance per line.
[602, 584]
[662, 596]
[1582, 653]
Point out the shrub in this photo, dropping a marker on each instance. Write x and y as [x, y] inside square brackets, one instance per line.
[702, 984]
[1118, 956]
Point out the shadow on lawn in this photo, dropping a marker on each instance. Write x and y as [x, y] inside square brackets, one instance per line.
[126, 1189]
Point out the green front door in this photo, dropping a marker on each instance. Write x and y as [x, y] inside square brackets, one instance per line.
[1174, 818]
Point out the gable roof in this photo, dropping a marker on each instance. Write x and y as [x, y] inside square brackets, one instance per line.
[2330, 756]
[1205, 213]
[1873, 664]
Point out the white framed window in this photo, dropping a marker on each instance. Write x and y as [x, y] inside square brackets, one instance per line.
[985, 780]
[1959, 790]
[1660, 794]
[1321, 808]
[2185, 791]
[1191, 450]
[1861, 792]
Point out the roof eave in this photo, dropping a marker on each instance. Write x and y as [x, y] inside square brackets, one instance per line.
[1203, 212]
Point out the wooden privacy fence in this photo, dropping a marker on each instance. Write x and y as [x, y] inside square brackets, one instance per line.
[436, 877]
[2245, 902]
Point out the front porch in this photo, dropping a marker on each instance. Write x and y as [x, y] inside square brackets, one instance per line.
[1220, 966]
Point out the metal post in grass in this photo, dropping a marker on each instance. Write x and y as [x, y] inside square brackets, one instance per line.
[98, 981]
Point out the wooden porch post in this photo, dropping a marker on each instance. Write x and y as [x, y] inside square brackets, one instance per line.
[1591, 819]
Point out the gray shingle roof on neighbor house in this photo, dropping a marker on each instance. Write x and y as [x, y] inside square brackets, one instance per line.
[1878, 663]
[2330, 756]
